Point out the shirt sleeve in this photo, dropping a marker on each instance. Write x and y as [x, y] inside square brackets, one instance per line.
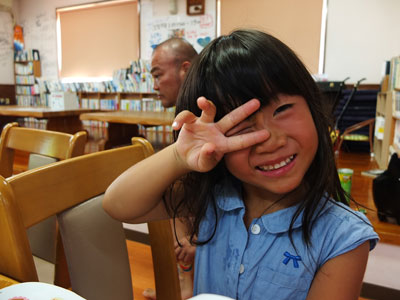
[351, 230]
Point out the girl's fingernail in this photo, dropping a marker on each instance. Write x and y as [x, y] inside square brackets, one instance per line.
[174, 124]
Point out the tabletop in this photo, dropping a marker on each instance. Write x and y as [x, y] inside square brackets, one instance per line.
[40, 112]
[154, 118]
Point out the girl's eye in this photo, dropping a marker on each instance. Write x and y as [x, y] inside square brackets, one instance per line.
[282, 108]
[245, 130]
[239, 129]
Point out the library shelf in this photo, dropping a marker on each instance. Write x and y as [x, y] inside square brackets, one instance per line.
[27, 91]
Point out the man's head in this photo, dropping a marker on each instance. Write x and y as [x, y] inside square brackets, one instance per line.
[170, 61]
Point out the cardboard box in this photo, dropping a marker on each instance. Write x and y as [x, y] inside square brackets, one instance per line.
[64, 100]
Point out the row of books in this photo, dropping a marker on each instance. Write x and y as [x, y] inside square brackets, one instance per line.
[32, 123]
[145, 104]
[136, 77]
[396, 137]
[24, 69]
[394, 74]
[128, 86]
[27, 89]
[105, 104]
[159, 136]
[25, 79]
[396, 103]
[396, 114]
[26, 55]
[31, 100]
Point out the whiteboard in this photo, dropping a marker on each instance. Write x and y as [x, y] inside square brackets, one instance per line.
[157, 25]
[6, 48]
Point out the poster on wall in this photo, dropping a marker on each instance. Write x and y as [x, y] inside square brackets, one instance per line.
[18, 38]
[198, 30]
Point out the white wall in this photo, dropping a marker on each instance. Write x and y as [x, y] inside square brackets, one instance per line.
[6, 48]
[38, 18]
[361, 35]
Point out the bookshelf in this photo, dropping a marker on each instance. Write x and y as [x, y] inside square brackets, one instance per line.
[386, 121]
[158, 136]
[136, 101]
[26, 89]
[395, 130]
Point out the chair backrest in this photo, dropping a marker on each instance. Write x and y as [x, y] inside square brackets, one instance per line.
[91, 236]
[44, 147]
[54, 144]
[29, 197]
[164, 259]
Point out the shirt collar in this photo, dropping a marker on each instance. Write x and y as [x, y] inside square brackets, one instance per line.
[229, 198]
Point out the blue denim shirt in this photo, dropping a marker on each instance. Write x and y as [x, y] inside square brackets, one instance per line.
[261, 262]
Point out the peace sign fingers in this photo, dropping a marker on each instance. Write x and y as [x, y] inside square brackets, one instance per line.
[238, 115]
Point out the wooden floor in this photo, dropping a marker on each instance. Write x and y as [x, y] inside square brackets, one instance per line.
[362, 193]
[141, 268]
[140, 254]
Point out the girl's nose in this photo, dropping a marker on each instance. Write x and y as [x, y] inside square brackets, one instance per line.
[276, 140]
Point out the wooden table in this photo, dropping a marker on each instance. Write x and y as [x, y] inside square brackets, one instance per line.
[123, 125]
[57, 119]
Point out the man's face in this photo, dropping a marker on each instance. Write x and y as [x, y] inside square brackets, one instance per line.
[166, 74]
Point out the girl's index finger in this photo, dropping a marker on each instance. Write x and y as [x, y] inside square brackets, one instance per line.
[238, 115]
[243, 141]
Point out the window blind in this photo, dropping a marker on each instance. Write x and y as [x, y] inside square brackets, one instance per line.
[96, 39]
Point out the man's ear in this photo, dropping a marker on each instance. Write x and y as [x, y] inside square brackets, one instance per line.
[184, 68]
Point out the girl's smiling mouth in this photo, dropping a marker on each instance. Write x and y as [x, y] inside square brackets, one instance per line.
[278, 165]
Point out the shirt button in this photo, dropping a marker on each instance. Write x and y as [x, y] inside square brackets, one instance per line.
[255, 229]
[241, 269]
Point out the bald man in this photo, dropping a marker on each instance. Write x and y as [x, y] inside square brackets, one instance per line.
[169, 63]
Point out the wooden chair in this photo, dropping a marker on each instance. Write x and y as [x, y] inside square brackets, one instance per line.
[164, 260]
[349, 135]
[53, 144]
[163, 253]
[44, 147]
[62, 188]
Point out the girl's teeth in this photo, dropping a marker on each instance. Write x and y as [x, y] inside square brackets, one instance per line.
[277, 166]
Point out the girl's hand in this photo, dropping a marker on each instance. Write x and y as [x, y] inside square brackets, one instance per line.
[186, 252]
[202, 143]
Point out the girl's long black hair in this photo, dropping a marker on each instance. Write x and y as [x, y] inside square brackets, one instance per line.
[230, 71]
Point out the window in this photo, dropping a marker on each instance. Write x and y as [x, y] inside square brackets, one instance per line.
[96, 39]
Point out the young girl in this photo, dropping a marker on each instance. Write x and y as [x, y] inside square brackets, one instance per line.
[253, 168]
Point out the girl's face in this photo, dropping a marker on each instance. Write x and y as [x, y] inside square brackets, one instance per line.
[278, 165]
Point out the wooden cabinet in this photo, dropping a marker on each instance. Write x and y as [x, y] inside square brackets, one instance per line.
[26, 89]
